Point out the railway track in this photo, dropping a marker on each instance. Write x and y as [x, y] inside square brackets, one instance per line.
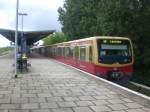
[138, 88]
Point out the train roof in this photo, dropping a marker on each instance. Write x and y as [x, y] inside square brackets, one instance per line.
[101, 37]
[95, 37]
[91, 38]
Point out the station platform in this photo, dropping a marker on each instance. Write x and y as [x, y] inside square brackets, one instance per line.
[51, 86]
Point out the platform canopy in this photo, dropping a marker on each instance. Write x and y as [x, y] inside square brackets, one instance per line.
[31, 36]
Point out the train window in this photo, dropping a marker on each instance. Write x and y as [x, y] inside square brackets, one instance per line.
[54, 50]
[69, 52]
[43, 50]
[46, 50]
[82, 53]
[63, 51]
[50, 49]
[59, 51]
[90, 54]
[76, 52]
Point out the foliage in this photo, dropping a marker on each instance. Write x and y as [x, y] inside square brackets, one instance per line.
[55, 38]
[131, 18]
[5, 50]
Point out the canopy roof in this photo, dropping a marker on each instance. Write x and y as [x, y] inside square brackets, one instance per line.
[31, 36]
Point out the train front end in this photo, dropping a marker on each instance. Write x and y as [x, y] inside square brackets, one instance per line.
[114, 58]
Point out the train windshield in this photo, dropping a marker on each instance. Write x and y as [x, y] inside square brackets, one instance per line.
[114, 51]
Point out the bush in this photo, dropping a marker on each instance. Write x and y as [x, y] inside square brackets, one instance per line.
[55, 38]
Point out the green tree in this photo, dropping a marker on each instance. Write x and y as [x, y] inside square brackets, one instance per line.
[131, 18]
[55, 38]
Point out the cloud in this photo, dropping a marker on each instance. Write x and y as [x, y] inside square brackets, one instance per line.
[7, 4]
[42, 15]
[42, 4]
[4, 19]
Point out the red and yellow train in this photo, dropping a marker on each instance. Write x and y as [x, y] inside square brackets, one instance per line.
[107, 57]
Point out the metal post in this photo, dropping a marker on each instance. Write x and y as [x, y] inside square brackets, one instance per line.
[16, 39]
[22, 38]
[22, 25]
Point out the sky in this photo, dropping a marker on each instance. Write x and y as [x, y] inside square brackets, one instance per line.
[41, 15]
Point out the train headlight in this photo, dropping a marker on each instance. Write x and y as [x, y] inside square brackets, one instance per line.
[115, 69]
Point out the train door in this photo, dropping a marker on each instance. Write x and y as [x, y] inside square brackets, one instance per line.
[83, 57]
[76, 55]
[90, 54]
[90, 60]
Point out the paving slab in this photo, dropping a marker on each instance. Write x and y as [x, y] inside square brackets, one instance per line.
[49, 86]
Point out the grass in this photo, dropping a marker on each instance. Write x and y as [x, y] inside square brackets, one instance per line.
[5, 50]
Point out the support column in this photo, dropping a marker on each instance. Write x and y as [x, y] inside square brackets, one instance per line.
[24, 45]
